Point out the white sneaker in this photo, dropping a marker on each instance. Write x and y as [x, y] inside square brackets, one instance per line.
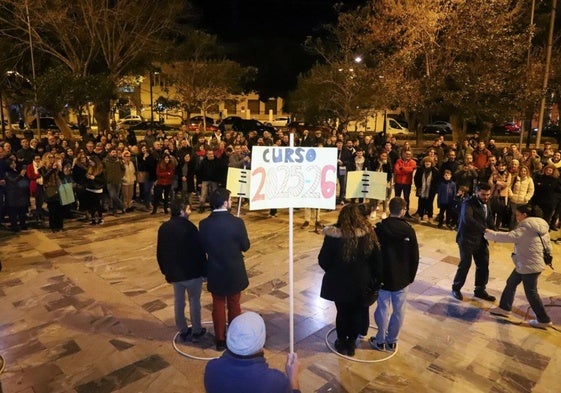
[540, 325]
[500, 311]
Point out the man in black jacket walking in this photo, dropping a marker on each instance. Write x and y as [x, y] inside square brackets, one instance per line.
[182, 261]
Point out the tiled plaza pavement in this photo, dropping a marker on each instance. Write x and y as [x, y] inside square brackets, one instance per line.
[86, 310]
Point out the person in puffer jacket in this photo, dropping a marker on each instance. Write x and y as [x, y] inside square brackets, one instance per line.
[528, 261]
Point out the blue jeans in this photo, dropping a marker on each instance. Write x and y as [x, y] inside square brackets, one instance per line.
[530, 283]
[390, 325]
[207, 188]
[115, 202]
[193, 288]
[147, 189]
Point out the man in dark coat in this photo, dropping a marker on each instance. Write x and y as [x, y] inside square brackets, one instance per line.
[225, 239]
[181, 258]
[400, 260]
[475, 217]
[208, 177]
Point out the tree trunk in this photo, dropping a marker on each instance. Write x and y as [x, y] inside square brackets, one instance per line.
[63, 127]
[458, 132]
[101, 115]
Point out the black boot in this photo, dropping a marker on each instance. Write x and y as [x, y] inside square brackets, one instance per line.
[351, 345]
[341, 346]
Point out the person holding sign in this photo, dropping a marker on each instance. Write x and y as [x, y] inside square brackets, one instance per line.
[224, 238]
[344, 162]
[243, 367]
[350, 257]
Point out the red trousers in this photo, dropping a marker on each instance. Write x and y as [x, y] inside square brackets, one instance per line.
[219, 304]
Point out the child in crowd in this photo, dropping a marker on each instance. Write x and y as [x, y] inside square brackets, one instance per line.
[461, 195]
[445, 200]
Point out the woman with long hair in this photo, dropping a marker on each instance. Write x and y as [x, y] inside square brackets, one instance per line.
[95, 181]
[530, 238]
[79, 171]
[520, 193]
[350, 257]
[165, 172]
[51, 172]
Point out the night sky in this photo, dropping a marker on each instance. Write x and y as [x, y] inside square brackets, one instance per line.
[268, 34]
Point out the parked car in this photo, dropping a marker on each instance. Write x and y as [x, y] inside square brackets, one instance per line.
[551, 130]
[302, 125]
[402, 122]
[236, 123]
[149, 125]
[48, 123]
[440, 127]
[280, 122]
[507, 128]
[131, 117]
[195, 123]
[128, 123]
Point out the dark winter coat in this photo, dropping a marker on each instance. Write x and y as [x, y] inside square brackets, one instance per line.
[435, 179]
[17, 189]
[345, 281]
[400, 253]
[180, 251]
[547, 191]
[472, 224]
[225, 238]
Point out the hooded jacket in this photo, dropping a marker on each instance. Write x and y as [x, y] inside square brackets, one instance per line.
[528, 249]
[400, 253]
[343, 281]
[179, 251]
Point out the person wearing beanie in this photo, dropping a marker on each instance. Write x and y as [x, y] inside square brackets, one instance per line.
[243, 368]
[224, 238]
[182, 261]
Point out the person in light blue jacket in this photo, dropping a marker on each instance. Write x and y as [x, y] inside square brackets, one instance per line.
[528, 261]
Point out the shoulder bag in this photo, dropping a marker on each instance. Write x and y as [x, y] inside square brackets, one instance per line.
[547, 257]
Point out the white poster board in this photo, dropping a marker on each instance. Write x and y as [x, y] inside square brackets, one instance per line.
[284, 177]
[366, 184]
[238, 182]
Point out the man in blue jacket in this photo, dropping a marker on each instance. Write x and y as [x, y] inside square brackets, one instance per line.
[181, 258]
[224, 239]
[243, 368]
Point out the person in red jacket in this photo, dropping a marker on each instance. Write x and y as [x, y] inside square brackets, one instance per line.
[403, 170]
[36, 186]
[165, 171]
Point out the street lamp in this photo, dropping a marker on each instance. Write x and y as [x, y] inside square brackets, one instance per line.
[37, 115]
[547, 67]
[152, 82]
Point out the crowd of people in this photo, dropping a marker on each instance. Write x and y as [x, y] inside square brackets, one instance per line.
[116, 173]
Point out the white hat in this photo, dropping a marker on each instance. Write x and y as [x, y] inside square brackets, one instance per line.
[246, 334]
